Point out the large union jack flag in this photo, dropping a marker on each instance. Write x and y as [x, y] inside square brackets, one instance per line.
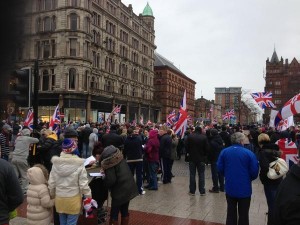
[181, 124]
[263, 99]
[171, 118]
[28, 122]
[228, 115]
[55, 119]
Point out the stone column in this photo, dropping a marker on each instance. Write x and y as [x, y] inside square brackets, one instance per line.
[127, 112]
[88, 108]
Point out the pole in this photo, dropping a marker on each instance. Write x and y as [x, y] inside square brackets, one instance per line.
[35, 101]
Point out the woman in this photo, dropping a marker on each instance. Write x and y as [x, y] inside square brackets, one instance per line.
[119, 179]
[268, 153]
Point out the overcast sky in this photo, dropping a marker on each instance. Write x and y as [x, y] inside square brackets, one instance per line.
[222, 43]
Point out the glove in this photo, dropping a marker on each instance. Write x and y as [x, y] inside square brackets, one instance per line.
[89, 204]
[12, 214]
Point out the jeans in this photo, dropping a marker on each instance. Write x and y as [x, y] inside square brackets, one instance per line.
[200, 166]
[85, 150]
[217, 178]
[237, 210]
[153, 166]
[270, 192]
[114, 211]
[68, 219]
[137, 169]
[166, 170]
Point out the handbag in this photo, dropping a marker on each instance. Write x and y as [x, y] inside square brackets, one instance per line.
[277, 169]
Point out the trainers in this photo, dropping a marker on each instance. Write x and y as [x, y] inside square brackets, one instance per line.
[143, 192]
[191, 194]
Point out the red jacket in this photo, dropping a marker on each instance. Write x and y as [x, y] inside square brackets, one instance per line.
[152, 147]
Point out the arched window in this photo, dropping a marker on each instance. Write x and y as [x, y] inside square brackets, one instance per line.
[73, 21]
[47, 24]
[45, 80]
[72, 79]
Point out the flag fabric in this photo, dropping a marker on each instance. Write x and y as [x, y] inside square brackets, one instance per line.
[289, 151]
[272, 118]
[116, 110]
[171, 118]
[141, 119]
[211, 108]
[55, 119]
[290, 108]
[228, 115]
[181, 124]
[28, 122]
[263, 99]
[149, 123]
[285, 124]
[133, 123]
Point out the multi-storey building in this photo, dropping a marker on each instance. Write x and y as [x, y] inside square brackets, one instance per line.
[207, 111]
[229, 98]
[170, 84]
[93, 55]
[282, 79]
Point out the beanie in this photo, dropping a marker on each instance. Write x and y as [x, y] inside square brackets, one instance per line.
[70, 132]
[69, 145]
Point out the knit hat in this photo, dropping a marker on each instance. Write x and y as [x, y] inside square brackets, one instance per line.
[25, 132]
[69, 145]
[70, 132]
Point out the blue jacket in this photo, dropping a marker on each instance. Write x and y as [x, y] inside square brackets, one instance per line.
[239, 166]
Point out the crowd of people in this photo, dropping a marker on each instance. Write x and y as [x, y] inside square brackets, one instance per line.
[133, 158]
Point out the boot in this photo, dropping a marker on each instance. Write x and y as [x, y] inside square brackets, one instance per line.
[125, 220]
[113, 222]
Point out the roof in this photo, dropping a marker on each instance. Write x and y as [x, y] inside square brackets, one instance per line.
[147, 10]
[274, 58]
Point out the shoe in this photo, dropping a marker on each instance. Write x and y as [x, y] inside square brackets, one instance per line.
[152, 189]
[191, 194]
[222, 190]
[202, 194]
[143, 192]
[213, 191]
[166, 182]
[147, 186]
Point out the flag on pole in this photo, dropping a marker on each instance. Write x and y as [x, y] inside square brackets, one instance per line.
[55, 119]
[171, 118]
[228, 115]
[28, 122]
[263, 99]
[181, 124]
[141, 119]
[290, 108]
[116, 110]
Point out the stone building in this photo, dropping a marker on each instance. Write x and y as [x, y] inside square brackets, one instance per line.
[170, 84]
[283, 80]
[93, 55]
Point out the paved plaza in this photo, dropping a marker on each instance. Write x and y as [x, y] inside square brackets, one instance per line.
[171, 204]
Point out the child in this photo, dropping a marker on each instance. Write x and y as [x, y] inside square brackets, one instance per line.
[39, 208]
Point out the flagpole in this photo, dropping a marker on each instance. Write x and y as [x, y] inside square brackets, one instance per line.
[35, 101]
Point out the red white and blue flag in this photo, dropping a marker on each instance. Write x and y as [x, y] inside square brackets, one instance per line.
[55, 120]
[289, 151]
[181, 124]
[228, 115]
[263, 99]
[116, 110]
[171, 118]
[28, 122]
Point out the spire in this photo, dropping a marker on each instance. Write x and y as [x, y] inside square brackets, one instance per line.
[274, 58]
[147, 10]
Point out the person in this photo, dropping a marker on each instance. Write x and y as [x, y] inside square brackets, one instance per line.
[239, 166]
[173, 148]
[225, 136]
[216, 146]
[11, 195]
[152, 157]
[165, 149]
[85, 134]
[20, 155]
[112, 138]
[4, 141]
[196, 146]
[133, 152]
[68, 182]
[39, 203]
[287, 199]
[93, 139]
[268, 153]
[119, 179]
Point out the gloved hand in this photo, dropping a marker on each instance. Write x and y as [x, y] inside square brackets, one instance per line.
[89, 204]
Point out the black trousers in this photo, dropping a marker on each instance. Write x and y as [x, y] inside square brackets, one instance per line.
[237, 211]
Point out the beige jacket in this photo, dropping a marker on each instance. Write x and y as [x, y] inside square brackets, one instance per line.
[39, 208]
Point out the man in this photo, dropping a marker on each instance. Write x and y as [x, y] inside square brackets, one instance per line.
[225, 136]
[196, 146]
[4, 141]
[11, 195]
[165, 154]
[239, 166]
[85, 134]
[112, 138]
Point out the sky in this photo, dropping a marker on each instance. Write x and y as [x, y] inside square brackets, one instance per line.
[222, 43]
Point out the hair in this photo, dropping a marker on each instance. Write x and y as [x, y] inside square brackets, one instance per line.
[164, 128]
[44, 170]
[130, 131]
[98, 149]
[237, 137]
[263, 138]
[48, 132]
[198, 129]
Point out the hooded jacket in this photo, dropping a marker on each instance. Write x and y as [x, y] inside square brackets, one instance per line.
[152, 147]
[39, 208]
[22, 144]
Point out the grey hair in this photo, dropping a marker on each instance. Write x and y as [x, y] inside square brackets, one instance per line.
[237, 137]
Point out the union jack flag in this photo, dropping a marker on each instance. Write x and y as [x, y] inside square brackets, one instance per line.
[171, 118]
[228, 115]
[181, 124]
[55, 120]
[263, 99]
[141, 119]
[116, 110]
[28, 122]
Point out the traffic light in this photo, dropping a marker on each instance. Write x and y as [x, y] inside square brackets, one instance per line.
[20, 87]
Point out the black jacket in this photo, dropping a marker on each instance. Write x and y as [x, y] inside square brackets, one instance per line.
[287, 201]
[196, 145]
[133, 147]
[11, 195]
[112, 138]
[226, 138]
[165, 146]
[216, 146]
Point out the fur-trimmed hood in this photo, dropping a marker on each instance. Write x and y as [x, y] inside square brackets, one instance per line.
[66, 164]
[112, 160]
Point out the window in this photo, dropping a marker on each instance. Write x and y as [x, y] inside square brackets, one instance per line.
[74, 3]
[48, 4]
[73, 21]
[277, 83]
[72, 78]
[277, 102]
[86, 49]
[93, 83]
[46, 49]
[53, 48]
[86, 26]
[38, 25]
[47, 24]
[277, 91]
[53, 79]
[45, 80]
[73, 43]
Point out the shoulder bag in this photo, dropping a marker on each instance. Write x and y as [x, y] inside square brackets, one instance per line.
[277, 169]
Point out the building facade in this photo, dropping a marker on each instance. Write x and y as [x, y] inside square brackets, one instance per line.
[93, 55]
[170, 84]
[283, 80]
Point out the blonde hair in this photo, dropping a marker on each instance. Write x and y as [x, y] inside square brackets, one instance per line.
[48, 132]
[263, 138]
